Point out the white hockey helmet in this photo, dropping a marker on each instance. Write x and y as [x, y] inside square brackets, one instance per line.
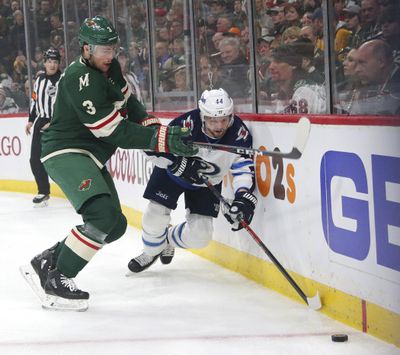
[216, 103]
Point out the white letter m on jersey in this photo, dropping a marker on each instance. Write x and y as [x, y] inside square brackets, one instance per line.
[83, 81]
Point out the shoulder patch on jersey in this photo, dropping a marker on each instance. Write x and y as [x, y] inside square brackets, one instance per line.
[188, 123]
[85, 185]
[243, 133]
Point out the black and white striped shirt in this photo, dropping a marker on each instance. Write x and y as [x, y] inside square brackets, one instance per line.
[43, 96]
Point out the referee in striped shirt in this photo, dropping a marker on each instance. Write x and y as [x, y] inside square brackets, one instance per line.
[40, 114]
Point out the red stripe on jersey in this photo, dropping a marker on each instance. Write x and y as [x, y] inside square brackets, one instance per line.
[101, 125]
[84, 241]
[125, 91]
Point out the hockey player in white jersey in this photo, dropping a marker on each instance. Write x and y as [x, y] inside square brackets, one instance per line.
[214, 122]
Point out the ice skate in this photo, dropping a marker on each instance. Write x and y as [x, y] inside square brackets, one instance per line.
[49, 301]
[142, 262]
[59, 285]
[43, 263]
[167, 254]
[41, 200]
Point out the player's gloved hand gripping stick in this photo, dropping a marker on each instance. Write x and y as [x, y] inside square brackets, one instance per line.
[172, 139]
[312, 302]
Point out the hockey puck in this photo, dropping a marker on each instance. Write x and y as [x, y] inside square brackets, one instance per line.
[340, 338]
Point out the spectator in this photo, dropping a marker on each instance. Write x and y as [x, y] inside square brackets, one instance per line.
[311, 5]
[293, 13]
[305, 49]
[217, 8]
[42, 21]
[37, 62]
[278, 20]
[263, 22]
[263, 57]
[136, 61]
[7, 104]
[380, 80]
[369, 16]
[180, 79]
[291, 34]
[339, 5]
[289, 90]
[208, 72]
[138, 31]
[178, 51]
[239, 16]
[232, 73]
[318, 28]
[57, 31]
[306, 20]
[18, 94]
[390, 21]
[176, 30]
[20, 69]
[130, 77]
[163, 33]
[224, 23]
[347, 88]
[351, 15]
[164, 64]
[216, 40]
[17, 33]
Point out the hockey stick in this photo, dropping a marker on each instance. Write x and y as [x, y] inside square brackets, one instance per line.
[302, 133]
[312, 302]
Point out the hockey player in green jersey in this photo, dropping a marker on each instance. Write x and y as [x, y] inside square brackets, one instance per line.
[94, 114]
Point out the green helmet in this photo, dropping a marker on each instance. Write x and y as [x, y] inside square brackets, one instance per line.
[97, 31]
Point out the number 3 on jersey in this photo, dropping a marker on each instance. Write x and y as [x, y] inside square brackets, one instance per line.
[90, 109]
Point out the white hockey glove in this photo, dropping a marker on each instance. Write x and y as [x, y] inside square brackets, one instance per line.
[242, 208]
[189, 169]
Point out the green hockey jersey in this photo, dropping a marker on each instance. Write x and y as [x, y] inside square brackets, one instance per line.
[89, 115]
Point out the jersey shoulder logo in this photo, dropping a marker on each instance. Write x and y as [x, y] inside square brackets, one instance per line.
[83, 81]
[243, 133]
[85, 185]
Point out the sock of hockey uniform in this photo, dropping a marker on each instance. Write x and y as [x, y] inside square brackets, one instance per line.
[104, 223]
[195, 233]
[155, 223]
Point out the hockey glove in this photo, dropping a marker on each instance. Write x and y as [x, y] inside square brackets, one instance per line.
[151, 121]
[242, 208]
[172, 139]
[189, 169]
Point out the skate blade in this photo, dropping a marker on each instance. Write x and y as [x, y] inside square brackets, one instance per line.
[41, 204]
[62, 304]
[131, 273]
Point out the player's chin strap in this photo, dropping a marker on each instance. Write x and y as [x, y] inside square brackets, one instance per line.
[312, 302]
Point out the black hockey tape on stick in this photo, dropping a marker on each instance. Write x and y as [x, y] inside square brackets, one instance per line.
[312, 302]
[302, 133]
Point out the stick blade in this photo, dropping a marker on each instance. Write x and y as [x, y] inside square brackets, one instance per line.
[303, 131]
[314, 302]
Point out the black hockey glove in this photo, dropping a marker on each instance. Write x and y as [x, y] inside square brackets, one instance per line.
[242, 207]
[189, 169]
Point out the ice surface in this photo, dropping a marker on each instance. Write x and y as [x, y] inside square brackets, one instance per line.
[189, 307]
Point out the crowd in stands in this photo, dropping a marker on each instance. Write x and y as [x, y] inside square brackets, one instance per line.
[288, 38]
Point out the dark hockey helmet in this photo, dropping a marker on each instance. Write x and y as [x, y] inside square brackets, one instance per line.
[97, 31]
[52, 53]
